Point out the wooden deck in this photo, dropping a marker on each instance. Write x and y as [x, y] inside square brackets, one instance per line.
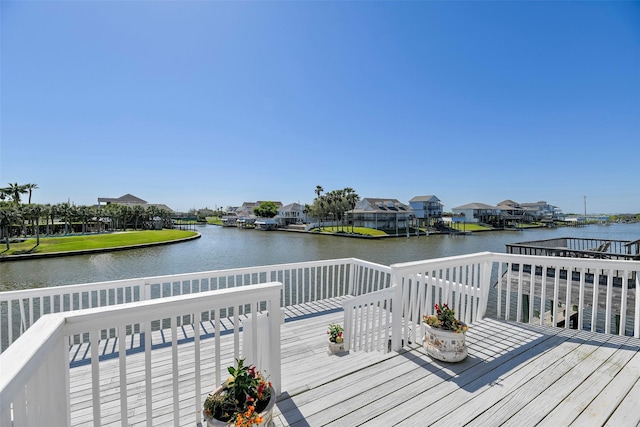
[515, 374]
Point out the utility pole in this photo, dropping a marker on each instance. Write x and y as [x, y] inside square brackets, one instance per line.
[585, 208]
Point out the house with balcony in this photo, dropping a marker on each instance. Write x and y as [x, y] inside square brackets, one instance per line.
[388, 215]
[293, 213]
[542, 210]
[512, 214]
[427, 210]
[130, 200]
[477, 213]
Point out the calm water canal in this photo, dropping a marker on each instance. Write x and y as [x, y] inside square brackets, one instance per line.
[222, 248]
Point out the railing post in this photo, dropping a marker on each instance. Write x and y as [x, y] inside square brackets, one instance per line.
[275, 319]
[396, 312]
[353, 268]
[485, 286]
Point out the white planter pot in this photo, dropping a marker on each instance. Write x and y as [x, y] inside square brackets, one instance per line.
[336, 347]
[444, 345]
[267, 414]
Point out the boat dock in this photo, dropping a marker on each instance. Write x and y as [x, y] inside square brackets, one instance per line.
[575, 247]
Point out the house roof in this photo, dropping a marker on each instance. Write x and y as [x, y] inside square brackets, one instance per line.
[475, 205]
[508, 202]
[430, 198]
[127, 198]
[509, 208]
[369, 204]
[292, 207]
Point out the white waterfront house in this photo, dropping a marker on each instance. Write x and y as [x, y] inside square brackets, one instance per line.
[477, 212]
[388, 215]
[426, 209]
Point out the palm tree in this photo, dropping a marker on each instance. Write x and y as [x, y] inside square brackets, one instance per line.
[30, 188]
[15, 190]
[8, 216]
[319, 190]
[124, 213]
[67, 211]
[137, 212]
[54, 211]
[46, 212]
[35, 212]
[85, 212]
[352, 200]
[151, 213]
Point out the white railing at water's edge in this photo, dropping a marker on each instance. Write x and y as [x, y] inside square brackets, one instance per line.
[385, 303]
[34, 385]
[302, 282]
[602, 293]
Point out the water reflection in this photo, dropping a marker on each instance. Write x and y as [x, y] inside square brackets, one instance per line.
[221, 248]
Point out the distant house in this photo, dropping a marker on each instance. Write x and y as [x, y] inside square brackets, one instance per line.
[477, 212]
[542, 210]
[266, 224]
[244, 215]
[511, 212]
[426, 209]
[293, 213]
[381, 214]
[130, 200]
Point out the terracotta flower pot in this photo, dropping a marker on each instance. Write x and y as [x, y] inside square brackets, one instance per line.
[444, 345]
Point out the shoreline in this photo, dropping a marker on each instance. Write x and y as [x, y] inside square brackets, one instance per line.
[24, 257]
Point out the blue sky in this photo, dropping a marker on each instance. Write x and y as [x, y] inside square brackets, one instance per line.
[202, 103]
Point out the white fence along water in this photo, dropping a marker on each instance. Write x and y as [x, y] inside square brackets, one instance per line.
[598, 295]
[34, 385]
[303, 282]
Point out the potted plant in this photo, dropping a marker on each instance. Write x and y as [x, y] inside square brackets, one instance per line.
[444, 337]
[245, 399]
[336, 342]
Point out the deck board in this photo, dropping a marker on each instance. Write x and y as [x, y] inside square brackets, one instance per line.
[515, 374]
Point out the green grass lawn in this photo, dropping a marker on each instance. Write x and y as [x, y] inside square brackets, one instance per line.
[93, 241]
[215, 220]
[470, 227]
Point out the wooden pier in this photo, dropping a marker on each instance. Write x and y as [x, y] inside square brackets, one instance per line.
[575, 247]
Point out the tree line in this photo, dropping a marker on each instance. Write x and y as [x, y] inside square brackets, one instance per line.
[19, 219]
[333, 205]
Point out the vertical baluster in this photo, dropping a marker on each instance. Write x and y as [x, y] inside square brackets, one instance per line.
[608, 309]
[556, 290]
[122, 364]
[94, 336]
[147, 373]
[543, 293]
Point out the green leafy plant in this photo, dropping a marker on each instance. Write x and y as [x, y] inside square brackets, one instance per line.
[244, 396]
[445, 318]
[335, 333]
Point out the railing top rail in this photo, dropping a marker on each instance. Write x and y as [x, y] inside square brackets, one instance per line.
[371, 265]
[80, 320]
[418, 266]
[85, 287]
[615, 264]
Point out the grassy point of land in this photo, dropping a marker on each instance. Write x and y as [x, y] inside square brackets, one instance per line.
[94, 241]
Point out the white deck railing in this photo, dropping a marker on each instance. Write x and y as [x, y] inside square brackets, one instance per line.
[303, 282]
[34, 385]
[599, 295]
